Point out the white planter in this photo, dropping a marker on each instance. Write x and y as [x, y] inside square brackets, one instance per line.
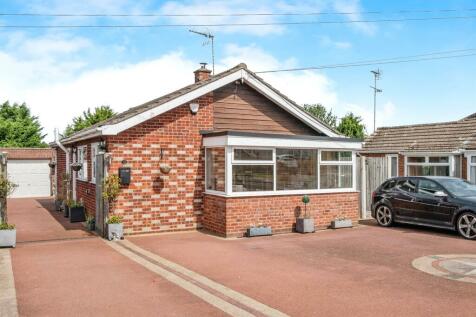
[346, 223]
[305, 225]
[115, 231]
[8, 238]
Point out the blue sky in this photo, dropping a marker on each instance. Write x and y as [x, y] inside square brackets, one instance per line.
[59, 73]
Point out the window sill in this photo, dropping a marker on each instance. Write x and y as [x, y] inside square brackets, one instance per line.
[283, 192]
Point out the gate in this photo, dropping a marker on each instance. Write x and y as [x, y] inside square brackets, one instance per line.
[100, 214]
[376, 172]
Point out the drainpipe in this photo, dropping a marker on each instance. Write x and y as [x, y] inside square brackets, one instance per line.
[68, 161]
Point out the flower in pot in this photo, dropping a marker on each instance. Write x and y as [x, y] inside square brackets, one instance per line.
[90, 222]
[76, 211]
[115, 229]
[341, 222]
[111, 189]
[305, 223]
[66, 206]
[8, 233]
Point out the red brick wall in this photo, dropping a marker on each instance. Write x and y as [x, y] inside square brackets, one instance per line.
[279, 212]
[401, 165]
[60, 171]
[464, 168]
[155, 202]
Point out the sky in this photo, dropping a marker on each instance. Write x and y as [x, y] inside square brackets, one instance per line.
[61, 72]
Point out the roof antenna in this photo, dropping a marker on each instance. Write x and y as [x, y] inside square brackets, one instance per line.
[211, 38]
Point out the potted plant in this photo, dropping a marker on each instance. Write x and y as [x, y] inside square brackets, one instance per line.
[341, 222]
[8, 233]
[76, 211]
[259, 230]
[66, 206]
[115, 229]
[305, 223]
[90, 223]
[76, 166]
[165, 168]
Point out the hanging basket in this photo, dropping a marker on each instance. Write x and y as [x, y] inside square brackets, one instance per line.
[165, 168]
[76, 166]
[52, 164]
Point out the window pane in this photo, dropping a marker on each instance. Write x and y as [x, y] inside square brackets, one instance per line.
[249, 178]
[336, 156]
[438, 159]
[416, 159]
[296, 169]
[393, 166]
[425, 170]
[336, 176]
[473, 159]
[407, 185]
[472, 177]
[215, 173]
[253, 155]
[428, 187]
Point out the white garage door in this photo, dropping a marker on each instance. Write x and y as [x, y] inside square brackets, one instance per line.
[31, 176]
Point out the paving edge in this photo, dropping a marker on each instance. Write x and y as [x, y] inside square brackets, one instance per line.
[8, 296]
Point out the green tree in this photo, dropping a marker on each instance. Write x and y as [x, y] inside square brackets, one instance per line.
[18, 127]
[88, 119]
[352, 126]
[321, 113]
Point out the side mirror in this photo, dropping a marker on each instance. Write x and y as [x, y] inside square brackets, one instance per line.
[440, 194]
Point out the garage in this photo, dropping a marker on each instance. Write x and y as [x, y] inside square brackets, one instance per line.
[29, 169]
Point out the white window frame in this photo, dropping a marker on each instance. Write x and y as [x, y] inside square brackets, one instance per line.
[94, 152]
[469, 164]
[81, 157]
[450, 163]
[230, 161]
[389, 165]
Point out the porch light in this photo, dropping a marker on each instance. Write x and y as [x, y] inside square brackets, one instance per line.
[194, 107]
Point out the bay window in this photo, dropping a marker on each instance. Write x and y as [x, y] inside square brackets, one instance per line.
[215, 169]
[428, 166]
[336, 169]
[240, 170]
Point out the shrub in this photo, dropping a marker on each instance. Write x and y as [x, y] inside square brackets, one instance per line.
[6, 226]
[114, 220]
[112, 187]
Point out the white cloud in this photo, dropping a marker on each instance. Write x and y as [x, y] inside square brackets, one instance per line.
[385, 114]
[353, 7]
[328, 42]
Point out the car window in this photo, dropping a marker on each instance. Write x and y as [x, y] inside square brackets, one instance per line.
[407, 185]
[389, 184]
[428, 187]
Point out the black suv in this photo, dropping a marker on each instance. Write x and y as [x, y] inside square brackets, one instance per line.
[442, 202]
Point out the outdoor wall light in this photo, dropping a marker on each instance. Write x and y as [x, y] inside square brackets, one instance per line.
[194, 107]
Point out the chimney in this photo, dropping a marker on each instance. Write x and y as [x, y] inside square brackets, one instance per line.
[202, 73]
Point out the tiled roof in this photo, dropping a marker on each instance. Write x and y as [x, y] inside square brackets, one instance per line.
[28, 153]
[161, 100]
[439, 137]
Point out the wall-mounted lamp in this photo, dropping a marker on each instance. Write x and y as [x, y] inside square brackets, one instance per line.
[194, 107]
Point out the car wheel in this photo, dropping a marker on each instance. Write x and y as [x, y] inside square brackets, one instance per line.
[466, 225]
[384, 216]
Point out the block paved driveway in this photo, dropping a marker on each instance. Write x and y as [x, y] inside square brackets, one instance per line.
[365, 271]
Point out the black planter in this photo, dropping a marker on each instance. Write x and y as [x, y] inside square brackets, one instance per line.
[91, 226]
[66, 210]
[76, 214]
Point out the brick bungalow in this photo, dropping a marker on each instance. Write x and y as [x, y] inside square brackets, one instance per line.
[434, 149]
[241, 153]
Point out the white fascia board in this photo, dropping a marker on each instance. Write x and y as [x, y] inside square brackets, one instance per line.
[430, 153]
[245, 141]
[114, 129]
[299, 113]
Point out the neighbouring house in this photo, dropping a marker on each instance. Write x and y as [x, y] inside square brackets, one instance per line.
[29, 169]
[241, 153]
[434, 149]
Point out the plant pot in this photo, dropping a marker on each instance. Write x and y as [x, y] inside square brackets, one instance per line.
[305, 225]
[58, 205]
[65, 210]
[115, 231]
[76, 214]
[258, 231]
[8, 238]
[345, 223]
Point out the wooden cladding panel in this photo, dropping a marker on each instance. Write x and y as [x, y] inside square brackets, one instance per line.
[240, 108]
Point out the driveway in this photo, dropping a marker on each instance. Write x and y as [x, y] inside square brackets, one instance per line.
[363, 271]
